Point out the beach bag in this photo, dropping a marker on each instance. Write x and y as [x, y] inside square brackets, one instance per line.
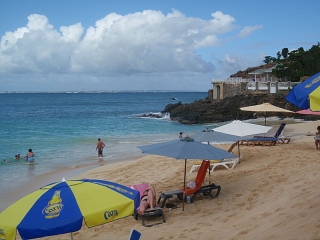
[192, 185]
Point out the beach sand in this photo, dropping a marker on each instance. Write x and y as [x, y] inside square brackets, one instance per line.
[272, 194]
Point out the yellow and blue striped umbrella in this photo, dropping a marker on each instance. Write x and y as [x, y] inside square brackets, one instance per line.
[306, 94]
[61, 207]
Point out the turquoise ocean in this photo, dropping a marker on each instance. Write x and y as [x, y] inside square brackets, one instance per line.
[62, 129]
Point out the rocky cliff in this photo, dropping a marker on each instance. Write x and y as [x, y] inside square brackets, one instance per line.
[228, 109]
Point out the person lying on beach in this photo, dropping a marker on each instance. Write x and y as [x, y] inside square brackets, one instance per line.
[148, 200]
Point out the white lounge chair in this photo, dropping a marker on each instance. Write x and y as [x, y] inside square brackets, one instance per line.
[229, 164]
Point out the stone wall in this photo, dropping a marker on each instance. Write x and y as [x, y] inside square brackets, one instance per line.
[223, 90]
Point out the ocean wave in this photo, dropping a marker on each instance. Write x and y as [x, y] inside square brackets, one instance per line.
[158, 115]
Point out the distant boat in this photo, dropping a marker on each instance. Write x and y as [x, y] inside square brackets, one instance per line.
[174, 98]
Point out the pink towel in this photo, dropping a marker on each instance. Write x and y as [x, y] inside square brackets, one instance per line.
[139, 187]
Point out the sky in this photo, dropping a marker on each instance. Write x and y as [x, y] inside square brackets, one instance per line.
[144, 45]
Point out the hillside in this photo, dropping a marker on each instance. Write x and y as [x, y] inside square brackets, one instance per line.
[245, 73]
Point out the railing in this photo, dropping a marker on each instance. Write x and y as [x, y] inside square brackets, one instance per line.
[271, 87]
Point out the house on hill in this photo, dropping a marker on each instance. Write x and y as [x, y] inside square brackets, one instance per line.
[258, 80]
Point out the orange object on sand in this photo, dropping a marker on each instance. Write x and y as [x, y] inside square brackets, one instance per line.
[199, 179]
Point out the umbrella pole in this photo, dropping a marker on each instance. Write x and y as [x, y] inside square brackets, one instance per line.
[209, 174]
[239, 150]
[184, 183]
[71, 234]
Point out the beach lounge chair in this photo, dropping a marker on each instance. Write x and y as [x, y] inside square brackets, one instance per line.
[229, 164]
[263, 141]
[267, 140]
[278, 135]
[157, 211]
[134, 235]
[200, 187]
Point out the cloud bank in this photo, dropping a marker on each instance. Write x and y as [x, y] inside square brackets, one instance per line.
[145, 44]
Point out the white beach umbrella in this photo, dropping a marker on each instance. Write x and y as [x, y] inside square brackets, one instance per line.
[240, 128]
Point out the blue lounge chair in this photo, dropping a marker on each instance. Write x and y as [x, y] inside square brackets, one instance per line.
[266, 140]
[276, 135]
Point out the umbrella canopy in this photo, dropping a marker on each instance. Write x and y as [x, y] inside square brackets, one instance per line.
[240, 128]
[214, 136]
[306, 94]
[308, 112]
[61, 207]
[265, 107]
[184, 149]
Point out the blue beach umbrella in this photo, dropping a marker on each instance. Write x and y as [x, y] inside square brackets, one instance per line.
[61, 207]
[186, 148]
[306, 94]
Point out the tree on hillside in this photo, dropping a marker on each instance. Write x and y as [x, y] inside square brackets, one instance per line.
[268, 59]
[284, 52]
[298, 63]
[278, 55]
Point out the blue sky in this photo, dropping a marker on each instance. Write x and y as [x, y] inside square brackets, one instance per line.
[77, 45]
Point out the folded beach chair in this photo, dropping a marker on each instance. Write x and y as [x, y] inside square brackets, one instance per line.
[157, 211]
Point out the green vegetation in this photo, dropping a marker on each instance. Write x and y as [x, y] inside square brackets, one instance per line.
[297, 64]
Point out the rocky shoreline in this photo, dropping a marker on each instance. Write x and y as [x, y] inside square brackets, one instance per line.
[228, 109]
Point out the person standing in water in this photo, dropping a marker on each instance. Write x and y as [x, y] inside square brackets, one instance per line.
[100, 146]
[30, 156]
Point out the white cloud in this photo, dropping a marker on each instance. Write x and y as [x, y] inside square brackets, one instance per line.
[233, 64]
[141, 44]
[72, 33]
[246, 31]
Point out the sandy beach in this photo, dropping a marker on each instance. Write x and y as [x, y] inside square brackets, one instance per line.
[272, 194]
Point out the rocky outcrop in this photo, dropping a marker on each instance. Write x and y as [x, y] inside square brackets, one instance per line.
[205, 111]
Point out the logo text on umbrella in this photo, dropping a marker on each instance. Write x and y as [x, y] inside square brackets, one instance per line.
[54, 207]
[109, 214]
